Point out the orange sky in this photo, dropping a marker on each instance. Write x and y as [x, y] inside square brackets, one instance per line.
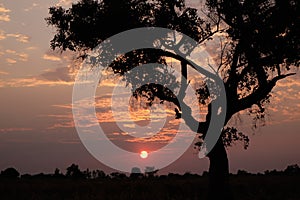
[36, 126]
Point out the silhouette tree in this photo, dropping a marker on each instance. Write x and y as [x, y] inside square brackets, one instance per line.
[10, 173]
[136, 173]
[292, 170]
[74, 172]
[118, 175]
[150, 172]
[261, 47]
[264, 47]
[57, 173]
[98, 174]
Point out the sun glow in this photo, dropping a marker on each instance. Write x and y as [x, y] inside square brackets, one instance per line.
[144, 154]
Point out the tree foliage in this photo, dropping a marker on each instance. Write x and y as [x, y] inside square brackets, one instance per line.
[261, 47]
[10, 173]
[89, 22]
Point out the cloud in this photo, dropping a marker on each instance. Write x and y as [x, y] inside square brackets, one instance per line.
[31, 82]
[19, 37]
[65, 3]
[284, 106]
[66, 106]
[66, 73]
[68, 124]
[2, 35]
[10, 51]
[4, 16]
[34, 5]
[50, 77]
[31, 48]
[10, 61]
[23, 57]
[51, 57]
[8, 130]
[3, 73]
[18, 56]
[3, 9]
[59, 74]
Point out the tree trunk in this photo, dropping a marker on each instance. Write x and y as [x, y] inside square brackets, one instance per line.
[219, 173]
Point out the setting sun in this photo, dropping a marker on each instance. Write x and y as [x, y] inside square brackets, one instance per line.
[144, 154]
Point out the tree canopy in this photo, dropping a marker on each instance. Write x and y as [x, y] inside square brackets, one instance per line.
[89, 22]
[261, 42]
[260, 46]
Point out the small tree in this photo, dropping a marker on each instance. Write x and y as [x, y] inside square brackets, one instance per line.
[292, 170]
[73, 171]
[10, 173]
[98, 174]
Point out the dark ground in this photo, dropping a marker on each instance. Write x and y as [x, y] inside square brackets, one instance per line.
[245, 187]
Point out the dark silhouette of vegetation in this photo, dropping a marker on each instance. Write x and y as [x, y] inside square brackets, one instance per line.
[10, 173]
[273, 184]
[261, 48]
[74, 172]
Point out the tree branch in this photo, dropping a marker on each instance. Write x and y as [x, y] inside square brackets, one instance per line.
[258, 94]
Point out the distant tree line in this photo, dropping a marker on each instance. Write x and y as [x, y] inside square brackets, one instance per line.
[74, 172]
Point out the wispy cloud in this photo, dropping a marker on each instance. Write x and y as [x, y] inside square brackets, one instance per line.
[68, 124]
[58, 74]
[3, 9]
[31, 48]
[34, 5]
[19, 37]
[17, 56]
[8, 130]
[66, 106]
[50, 77]
[284, 105]
[65, 3]
[10, 61]
[3, 73]
[51, 57]
[31, 82]
[4, 16]
[2, 35]
[23, 57]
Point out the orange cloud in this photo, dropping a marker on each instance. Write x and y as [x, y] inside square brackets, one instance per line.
[10, 61]
[3, 9]
[31, 48]
[284, 105]
[164, 136]
[4, 13]
[61, 73]
[23, 57]
[2, 35]
[20, 56]
[51, 57]
[3, 73]
[66, 106]
[31, 82]
[7, 130]
[65, 3]
[69, 124]
[4, 17]
[19, 37]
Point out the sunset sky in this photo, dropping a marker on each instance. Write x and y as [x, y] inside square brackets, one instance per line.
[37, 132]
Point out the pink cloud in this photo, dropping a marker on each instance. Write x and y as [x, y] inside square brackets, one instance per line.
[7, 130]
